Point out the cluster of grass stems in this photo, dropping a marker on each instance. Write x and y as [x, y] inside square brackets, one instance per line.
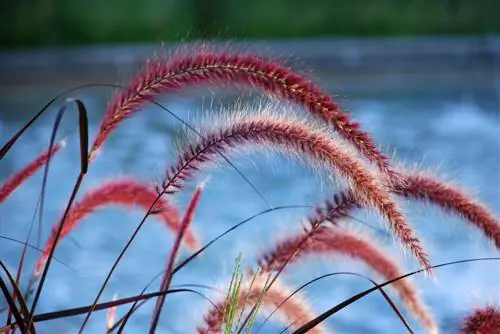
[327, 139]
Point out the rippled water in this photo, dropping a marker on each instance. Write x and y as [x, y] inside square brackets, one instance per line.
[459, 133]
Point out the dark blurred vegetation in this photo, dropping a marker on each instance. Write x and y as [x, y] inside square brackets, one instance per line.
[56, 22]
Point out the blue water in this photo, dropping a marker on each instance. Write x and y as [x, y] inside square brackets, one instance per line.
[458, 133]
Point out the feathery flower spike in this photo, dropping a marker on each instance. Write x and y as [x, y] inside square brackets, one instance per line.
[203, 67]
[328, 240]
[111, 316]
[186, 222]
[451, 200]
[302, 140]
[17, 179]
[124, 192]
[483, 321]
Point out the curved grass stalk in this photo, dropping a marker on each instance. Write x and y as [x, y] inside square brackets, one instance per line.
[427, 188]
[203, 67]
[304, 141]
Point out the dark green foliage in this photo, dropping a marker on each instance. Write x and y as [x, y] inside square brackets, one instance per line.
[61, 22]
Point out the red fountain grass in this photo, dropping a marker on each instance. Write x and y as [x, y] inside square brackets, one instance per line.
[185, 224]
[203, 67]
[483, 321]
[295, 310]
[331, 241]
[124, 192]
[423, 187]
[419, 186]
[111, 316]
[302, 140]
[17, 179]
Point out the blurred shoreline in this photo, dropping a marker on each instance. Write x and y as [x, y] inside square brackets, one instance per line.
[375, 63]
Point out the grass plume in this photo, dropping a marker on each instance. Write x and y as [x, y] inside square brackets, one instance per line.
[124, 192]
[418, 186]
[204, 67]
[337, 241]
[12, 183]
[343, 156]
[304, 141]
[484, 320]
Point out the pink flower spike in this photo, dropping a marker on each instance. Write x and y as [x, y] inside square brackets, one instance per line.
[450, 199]
[289, 135]
[17, 179]
[200, 67]
[167, 277]
[123, 192]
[337, 241]
[483, 321]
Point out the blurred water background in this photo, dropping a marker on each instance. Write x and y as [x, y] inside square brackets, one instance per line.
[429, 99]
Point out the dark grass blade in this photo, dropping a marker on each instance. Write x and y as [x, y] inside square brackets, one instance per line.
[83, 132]
[83, 128]
[384, 294]
[105, 305]
[12, 304]
[313, 323]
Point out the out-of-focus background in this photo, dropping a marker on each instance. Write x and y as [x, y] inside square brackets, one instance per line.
[74, 22]
[422, 76]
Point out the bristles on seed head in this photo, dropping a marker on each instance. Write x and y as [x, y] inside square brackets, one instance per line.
[300, 140]
[484, 320]
[123, 192]
[205, 67]
[423, 186]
